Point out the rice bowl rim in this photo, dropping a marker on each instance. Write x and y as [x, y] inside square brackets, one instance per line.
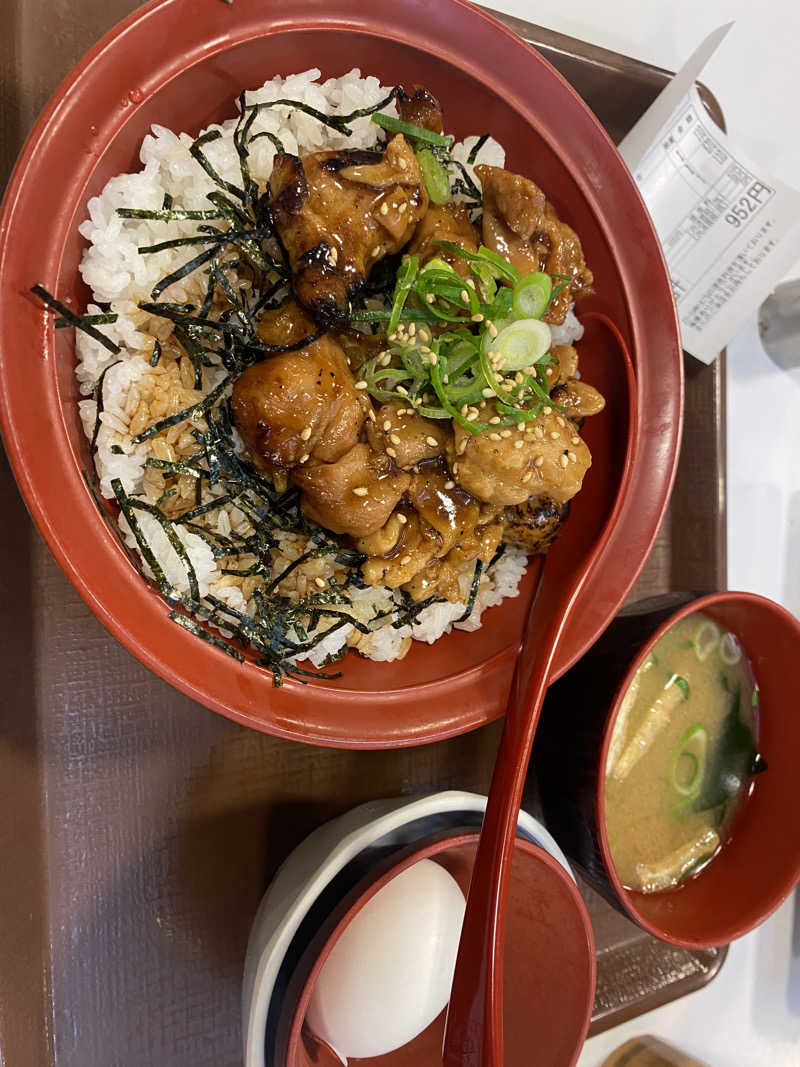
[49, 474]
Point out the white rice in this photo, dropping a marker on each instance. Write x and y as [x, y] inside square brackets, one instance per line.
[135, 394]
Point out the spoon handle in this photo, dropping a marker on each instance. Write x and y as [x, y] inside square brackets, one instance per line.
[474, 1035]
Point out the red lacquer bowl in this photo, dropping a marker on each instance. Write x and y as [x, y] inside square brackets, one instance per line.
[181, 63]
[549, 964]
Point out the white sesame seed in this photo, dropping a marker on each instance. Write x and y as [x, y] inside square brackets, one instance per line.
[391, 452]
[412, 329]
[472, 417]
[405, 561]
[319, 583]
[392, 336]
[432, 442]
[530, 370]
[401, 389]
[526, 477]
[547, 411]
[495, 419]
[361, 385]
[401, 518]
[563, 460]
[402, 163]
[494, 436]
[574, 440]
[387, 425]
[518, 378]
[539, 461]
[548, 371]
[520, 427]
[305, 433]
[490, 326]
[446, 379]
[554, 435]
[460, 450]
[304, 458]
[394, 438]
[423, 335]
[506, 386]
[333, 255]
[539, 432]
[477, 317]
[433, 359]
[505, 433]
[430, 297]
[560, 421]
[403, 207]
[449, 485]
[384, 208]
[464, 409]
[360, 490]
[386, 359]
[572, 457]
[518, 443]
[487, 392]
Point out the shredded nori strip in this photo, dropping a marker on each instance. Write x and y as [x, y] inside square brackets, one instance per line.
[473, 154]
[167, 214]
[473, 592]
[156, 356]
[191, 412]
[334, 122]
[195, 627]
[69, 318]
[99, 401]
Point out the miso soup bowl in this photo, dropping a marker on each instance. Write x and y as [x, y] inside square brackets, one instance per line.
[549, 961]
[760, 864]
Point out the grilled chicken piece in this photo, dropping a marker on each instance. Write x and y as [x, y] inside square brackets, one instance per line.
[337, 213]
[578, 399]
[566, 365]
[544, 457]
[355, 495]
[408, 438]
[521, 224]
[285, 325]
[445, 222]
[297, 405]
[421, 109]
[535, 524]
[439, 524]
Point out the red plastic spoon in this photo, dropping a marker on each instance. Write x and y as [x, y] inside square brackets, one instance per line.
[474, 1034]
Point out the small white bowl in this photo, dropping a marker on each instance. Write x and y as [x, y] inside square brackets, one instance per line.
[377, 826]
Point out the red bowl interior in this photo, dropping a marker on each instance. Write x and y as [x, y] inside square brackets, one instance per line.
[760, 865]
[180, 63]
[549, 965]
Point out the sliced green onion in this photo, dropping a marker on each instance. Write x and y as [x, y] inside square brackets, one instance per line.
[706, 640]
[522, 343]
[532, 295]
[406, 277]
[434, 175]
[681, 683]
[729, 651]
[408, 129]
[693, 746]
[502, 268]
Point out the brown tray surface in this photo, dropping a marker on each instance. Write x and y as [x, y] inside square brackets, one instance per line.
[138, 829]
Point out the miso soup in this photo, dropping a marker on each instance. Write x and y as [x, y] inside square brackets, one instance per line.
[681, 756]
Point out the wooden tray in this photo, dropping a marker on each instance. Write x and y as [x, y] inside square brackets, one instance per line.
[139, 830]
